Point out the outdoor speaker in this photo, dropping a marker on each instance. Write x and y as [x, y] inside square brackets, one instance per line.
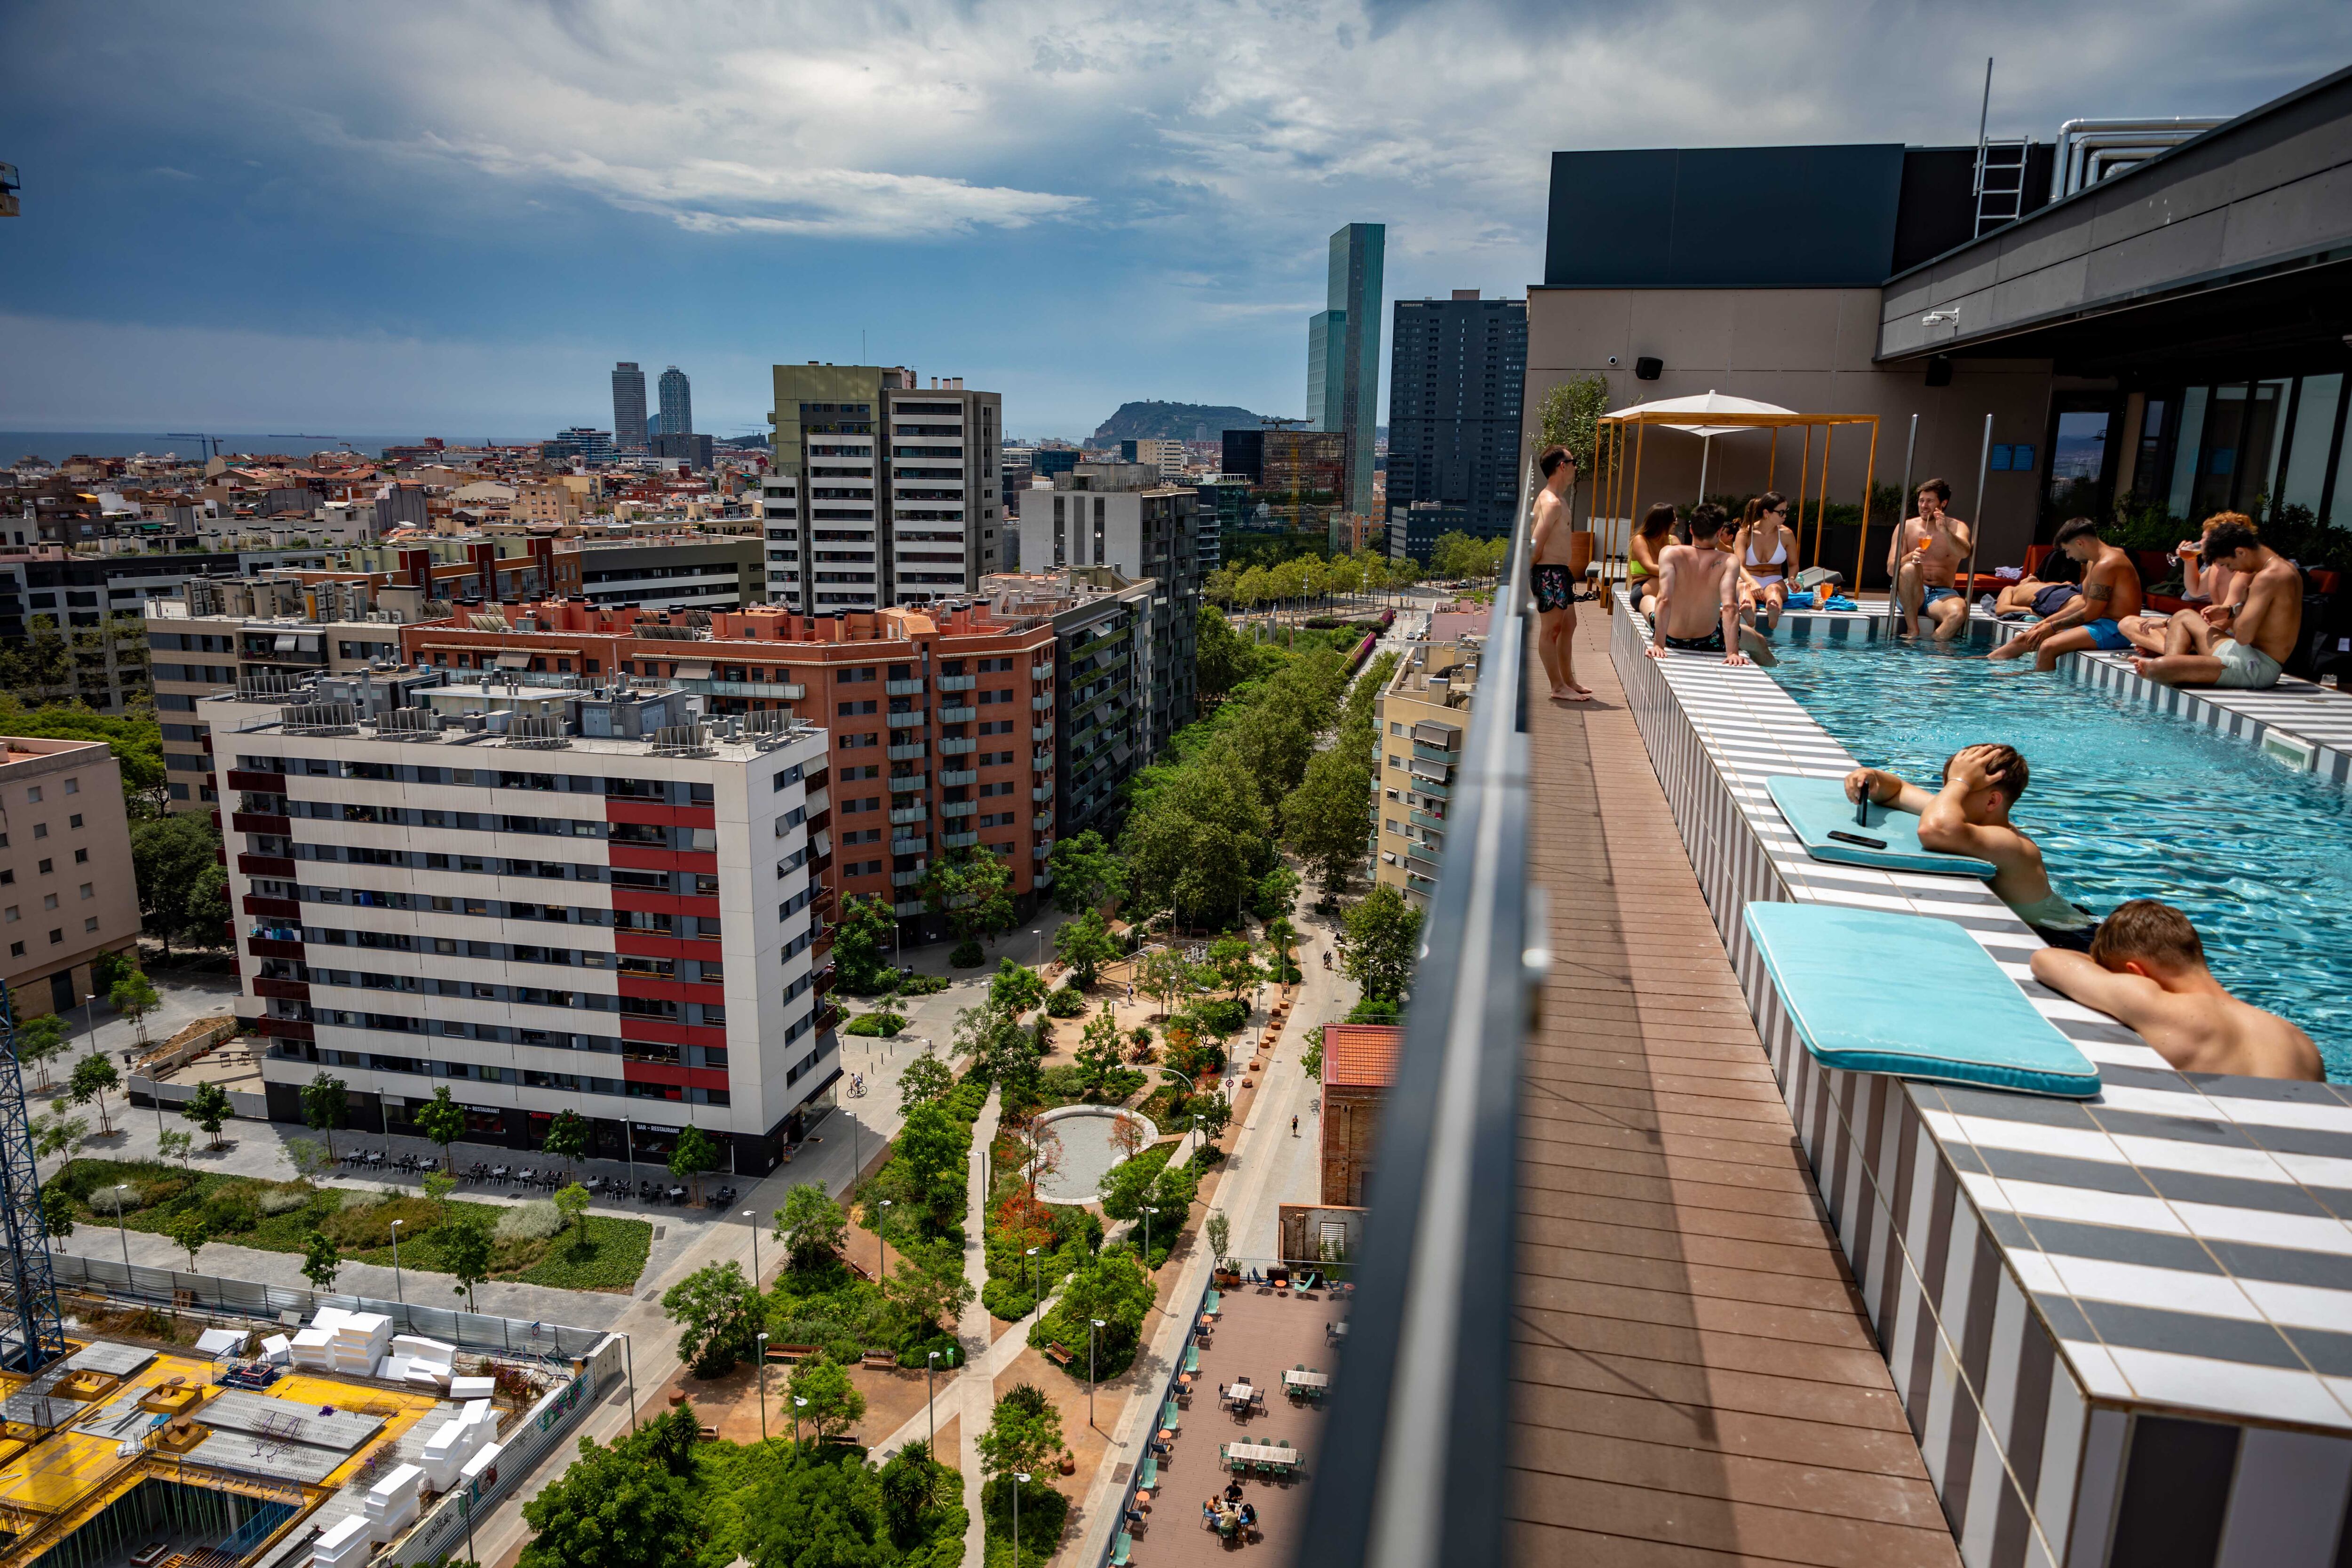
[1939, 370]
[1649, 367]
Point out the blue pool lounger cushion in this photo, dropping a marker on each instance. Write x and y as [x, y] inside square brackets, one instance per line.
[1912, 996]
[1817, 807]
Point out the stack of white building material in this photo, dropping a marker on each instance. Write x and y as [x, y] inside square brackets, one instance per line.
[346, 1543]
[414, 1359]
[361, 1339]
[446, 1450]
[463, 1389]
[476, 1471]
[392, 1502]
[313, 1349]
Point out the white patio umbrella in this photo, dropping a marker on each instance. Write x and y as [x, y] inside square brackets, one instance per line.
[1699, 407]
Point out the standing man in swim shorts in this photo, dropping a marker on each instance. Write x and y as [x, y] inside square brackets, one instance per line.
[1698, 597]
[2241, 645]
[1552, 570]
[1922, 559]
[2110, 592]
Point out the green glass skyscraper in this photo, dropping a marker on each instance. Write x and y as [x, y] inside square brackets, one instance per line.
[1343, 351]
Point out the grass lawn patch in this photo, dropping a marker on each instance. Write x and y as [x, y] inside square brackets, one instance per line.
[357, 1221]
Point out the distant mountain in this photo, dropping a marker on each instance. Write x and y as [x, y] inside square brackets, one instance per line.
[1173, 421]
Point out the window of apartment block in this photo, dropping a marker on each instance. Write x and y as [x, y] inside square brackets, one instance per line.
[89, 925]
[88, 890]
[73, 786]
[33, 795]
[75, 820]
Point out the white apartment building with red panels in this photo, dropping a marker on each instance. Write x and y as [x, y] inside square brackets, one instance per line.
[540, 898]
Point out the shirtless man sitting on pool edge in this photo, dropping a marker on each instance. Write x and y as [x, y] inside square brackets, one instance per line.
[1698, 597]
[1922, 559]
[2241, 645]
[1969, 816]
[2146, 970]
[2110, 593]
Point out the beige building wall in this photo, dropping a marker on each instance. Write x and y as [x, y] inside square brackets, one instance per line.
[1426, 702]
[1809, 350]
[67, 889]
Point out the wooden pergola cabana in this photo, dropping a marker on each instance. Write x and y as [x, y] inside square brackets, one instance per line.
[1617, 471]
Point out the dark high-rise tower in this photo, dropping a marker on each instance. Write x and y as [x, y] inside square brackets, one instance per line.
[677, 417]
[1343, 351]
[628, 406]
[1454, 392]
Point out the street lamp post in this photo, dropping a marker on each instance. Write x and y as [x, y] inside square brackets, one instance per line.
[400, 1294]
[753, 1216]
[1148, 1213]
[878, 1242]
[931, 1405]
[1020, 1479]
[1032, 1256]
[762, 1347]
[1038, 936]
[120, 1189]
[799, 1404]
[1092, 1324]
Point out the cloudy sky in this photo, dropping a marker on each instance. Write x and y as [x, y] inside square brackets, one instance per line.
[426, 217]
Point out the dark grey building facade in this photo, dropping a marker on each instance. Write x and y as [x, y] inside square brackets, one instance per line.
[628, 406]
[1456, 387]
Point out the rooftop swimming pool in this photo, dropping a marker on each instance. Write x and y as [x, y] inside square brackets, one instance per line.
[2126, 804]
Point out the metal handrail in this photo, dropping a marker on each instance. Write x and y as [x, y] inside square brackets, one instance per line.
[1415, 1471]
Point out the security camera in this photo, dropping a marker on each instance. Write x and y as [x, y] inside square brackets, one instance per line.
[1612, 359]
[1938, 318]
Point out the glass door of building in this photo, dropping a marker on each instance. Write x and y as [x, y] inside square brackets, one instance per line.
[2080, 479]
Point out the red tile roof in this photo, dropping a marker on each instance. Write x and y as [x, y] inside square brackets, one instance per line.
[1361, 1055]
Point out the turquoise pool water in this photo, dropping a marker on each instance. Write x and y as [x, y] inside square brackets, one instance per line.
[2126, 804]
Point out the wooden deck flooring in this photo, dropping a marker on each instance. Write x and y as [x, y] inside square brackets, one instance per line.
[1696, 1381]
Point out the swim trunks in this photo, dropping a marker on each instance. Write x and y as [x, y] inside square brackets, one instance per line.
[2244, 665]
[1935, 594]
[1555, 588]
[1711, 643]
[2073, 938]
[2049, 601]
[2106, 635]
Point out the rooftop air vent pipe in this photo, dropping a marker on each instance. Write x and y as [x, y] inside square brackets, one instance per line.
[2090, 151]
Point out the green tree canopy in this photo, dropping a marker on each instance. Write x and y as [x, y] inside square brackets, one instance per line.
[1025, 1433]
[321, 1260]
[834, 1405]
[134, 997]
[820, 1510]
[136, 738]
[182, 894]
[1231, 966]
[190, 1230]
[1086, 944]
[440, 1118]
[694, 1152]
[94, 1076]
[923, 1080]
[1087, 872]
[1015, 988]
[326, 1105]
[567, 1137]
[972, 888]
[465, 1253]
[1199, 841]
[863, 948]
[1380, 939]
[717, 1311]
[210, 1111]
[934, 1146]
[571, 1201]
[610, 1507]
[811, 1225]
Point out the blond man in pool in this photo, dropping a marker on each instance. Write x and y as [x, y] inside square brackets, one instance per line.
[2146, 970]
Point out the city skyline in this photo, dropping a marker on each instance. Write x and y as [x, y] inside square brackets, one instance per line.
[490, 254]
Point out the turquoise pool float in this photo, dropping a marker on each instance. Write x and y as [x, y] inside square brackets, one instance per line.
[1817, 807]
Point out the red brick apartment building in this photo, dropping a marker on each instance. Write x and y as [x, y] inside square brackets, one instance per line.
[941, 718]
[1359, 1065]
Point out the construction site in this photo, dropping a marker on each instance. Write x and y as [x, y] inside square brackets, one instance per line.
[150, 1419]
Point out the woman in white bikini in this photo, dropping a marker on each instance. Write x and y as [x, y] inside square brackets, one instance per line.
[1771, 546]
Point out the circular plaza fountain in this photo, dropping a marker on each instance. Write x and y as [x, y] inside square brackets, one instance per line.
[1089, 1136]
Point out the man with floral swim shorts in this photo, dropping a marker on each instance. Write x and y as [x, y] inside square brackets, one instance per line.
[1551, 569]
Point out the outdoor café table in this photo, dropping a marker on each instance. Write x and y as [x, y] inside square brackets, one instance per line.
[1240, 1393]
[1307, 1379]
[1260, 1453]
[497, 1173]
